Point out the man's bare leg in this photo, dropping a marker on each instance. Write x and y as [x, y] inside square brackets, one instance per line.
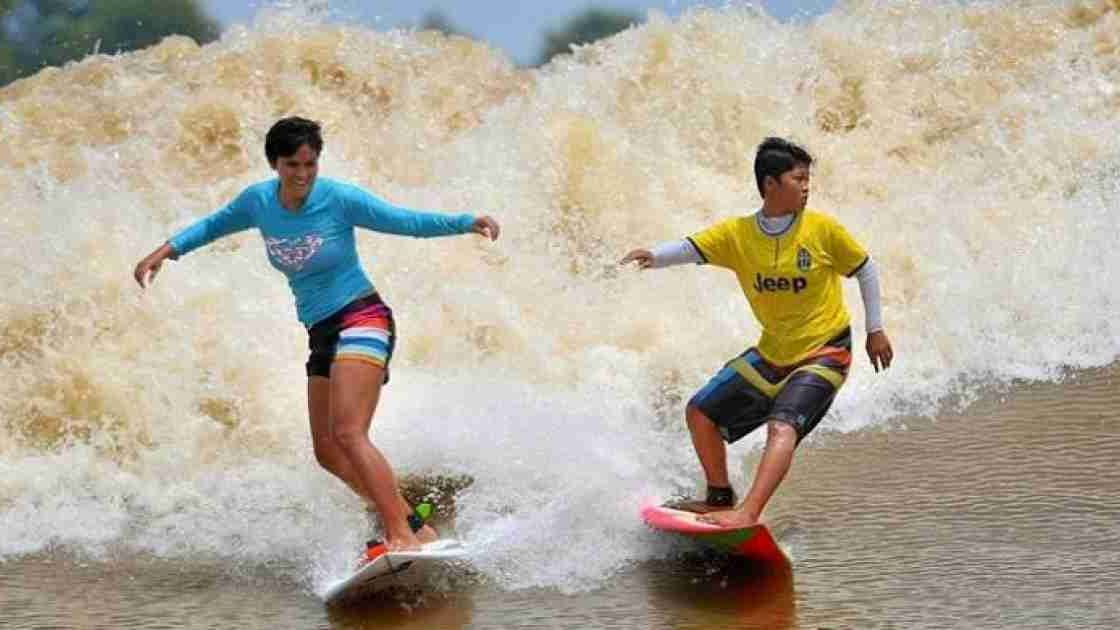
[781, 441]
[709, 446]
[710, 450]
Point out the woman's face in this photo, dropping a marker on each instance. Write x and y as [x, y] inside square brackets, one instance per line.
[297, 171]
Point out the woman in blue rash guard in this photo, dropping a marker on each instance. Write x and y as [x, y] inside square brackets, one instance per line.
[307, 223]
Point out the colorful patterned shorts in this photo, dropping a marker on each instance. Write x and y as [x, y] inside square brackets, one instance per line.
[749, 391]
[363, 330]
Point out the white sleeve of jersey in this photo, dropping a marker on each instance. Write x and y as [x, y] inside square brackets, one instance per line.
[672, 253]
[868, 277]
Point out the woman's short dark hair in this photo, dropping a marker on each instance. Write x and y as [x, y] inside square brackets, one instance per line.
[776, 156]
[289, 134]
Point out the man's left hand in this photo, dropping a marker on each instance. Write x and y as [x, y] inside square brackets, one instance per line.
[879, 349]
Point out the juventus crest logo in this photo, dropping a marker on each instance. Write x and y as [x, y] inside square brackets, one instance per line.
[804, 260]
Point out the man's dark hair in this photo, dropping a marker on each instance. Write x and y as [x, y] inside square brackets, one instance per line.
[777, 156]
[289, 134]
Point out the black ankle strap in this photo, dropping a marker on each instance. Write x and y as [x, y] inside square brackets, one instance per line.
[720, 496]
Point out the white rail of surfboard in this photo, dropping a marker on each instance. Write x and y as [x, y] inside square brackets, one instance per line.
[393, 563]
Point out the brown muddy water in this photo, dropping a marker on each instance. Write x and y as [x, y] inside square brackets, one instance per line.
[1001, 516]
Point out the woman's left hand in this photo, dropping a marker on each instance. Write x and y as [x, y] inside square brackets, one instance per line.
[486, 226]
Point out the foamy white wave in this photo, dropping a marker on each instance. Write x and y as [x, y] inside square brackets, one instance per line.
[972, 149]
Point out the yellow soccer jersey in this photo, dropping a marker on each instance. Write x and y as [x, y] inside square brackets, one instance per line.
[792, 280]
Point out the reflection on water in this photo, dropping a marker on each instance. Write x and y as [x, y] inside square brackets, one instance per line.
[402, 609]
[705, 592]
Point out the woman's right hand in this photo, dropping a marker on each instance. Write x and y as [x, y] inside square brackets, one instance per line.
[643, 257]
[146, 270]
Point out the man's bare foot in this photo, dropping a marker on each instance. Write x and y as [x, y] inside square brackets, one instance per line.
[729, 518]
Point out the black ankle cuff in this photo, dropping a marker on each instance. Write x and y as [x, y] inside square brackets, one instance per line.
[720, 496]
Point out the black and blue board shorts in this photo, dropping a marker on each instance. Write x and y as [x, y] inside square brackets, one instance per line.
[750, 391]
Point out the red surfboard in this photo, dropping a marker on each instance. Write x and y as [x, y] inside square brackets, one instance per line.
[754, 543]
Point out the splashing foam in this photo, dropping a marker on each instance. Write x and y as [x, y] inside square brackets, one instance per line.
[973, 149]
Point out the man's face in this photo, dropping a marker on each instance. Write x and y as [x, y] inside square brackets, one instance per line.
[791, 190]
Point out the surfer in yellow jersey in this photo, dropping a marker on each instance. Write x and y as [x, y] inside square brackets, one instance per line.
[789, 261]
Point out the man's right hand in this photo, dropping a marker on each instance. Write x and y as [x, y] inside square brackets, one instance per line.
[642, 256]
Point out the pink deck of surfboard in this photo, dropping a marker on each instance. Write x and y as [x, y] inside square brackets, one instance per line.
[754, 542]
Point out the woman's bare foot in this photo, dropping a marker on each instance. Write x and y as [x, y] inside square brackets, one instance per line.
[427, 534]
[408, 541]
[729, 518]
[402, 540]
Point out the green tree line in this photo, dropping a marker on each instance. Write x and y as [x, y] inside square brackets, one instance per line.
[39, 33]
[584, 28]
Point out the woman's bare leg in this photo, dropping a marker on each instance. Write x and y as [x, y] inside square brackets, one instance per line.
[330, 453]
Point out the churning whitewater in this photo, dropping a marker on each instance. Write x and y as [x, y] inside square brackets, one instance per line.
[974, 150]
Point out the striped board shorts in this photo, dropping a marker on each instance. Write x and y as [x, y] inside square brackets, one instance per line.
[363, 330]
[750, 391]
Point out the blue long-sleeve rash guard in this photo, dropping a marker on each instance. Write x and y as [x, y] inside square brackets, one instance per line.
[314, 246]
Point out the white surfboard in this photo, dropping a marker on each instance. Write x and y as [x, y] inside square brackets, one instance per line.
[387, 569]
